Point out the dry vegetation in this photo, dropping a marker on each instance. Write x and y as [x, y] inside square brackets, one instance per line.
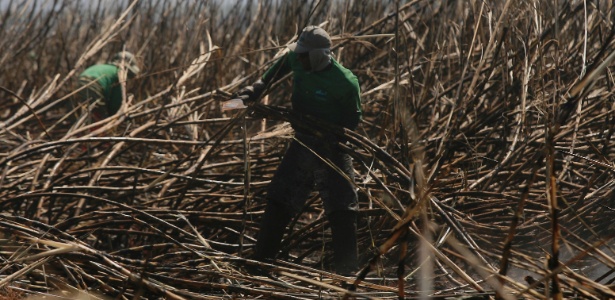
[484, 160]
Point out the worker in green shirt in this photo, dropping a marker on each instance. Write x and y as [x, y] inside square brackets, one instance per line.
[100, 92]
[325, 90]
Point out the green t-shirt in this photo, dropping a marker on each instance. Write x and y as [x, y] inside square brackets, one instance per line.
[332, 95]
[106, 76]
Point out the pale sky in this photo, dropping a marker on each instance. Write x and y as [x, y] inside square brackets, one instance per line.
[19, 4]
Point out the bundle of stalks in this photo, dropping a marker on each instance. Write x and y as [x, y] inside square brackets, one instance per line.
[484, 158]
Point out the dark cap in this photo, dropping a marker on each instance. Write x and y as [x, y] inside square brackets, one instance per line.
[312, 37]
[126, 58]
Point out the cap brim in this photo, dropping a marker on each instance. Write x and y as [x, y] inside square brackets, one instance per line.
[130, 68]
[134, 70]
[295, 47]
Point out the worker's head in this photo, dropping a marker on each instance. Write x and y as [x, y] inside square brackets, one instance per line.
[311, 38]
[313, 48]
[129, 61]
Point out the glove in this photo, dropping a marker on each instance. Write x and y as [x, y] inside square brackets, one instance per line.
[252, 92]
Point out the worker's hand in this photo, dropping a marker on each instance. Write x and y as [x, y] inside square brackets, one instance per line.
[252, 92]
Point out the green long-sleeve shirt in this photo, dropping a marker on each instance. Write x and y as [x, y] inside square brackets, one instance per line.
[332, 94]
[106, 76]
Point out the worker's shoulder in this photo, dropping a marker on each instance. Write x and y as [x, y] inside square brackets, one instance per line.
[99, 70]
[343, 73]
[341, 68]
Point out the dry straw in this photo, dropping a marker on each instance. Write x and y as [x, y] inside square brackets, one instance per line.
[484, 157]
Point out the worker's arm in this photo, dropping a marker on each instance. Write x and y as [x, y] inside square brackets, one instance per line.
[253, 92]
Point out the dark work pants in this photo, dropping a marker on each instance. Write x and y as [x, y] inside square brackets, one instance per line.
[307, 166]
[302, 170]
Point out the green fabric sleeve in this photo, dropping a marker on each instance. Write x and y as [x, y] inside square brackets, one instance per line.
[280, 68]
[351, 106]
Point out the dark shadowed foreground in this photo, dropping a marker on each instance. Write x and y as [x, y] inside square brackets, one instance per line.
[484, 160]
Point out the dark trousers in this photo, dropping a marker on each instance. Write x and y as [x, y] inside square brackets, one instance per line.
[305, 168]
[312, 164]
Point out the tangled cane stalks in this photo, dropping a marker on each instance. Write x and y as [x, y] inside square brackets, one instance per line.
[484, 158]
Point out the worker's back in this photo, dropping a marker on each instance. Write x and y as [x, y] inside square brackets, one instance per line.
[106, 76]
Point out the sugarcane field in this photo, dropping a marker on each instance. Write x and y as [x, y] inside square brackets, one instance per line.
[447, 149]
